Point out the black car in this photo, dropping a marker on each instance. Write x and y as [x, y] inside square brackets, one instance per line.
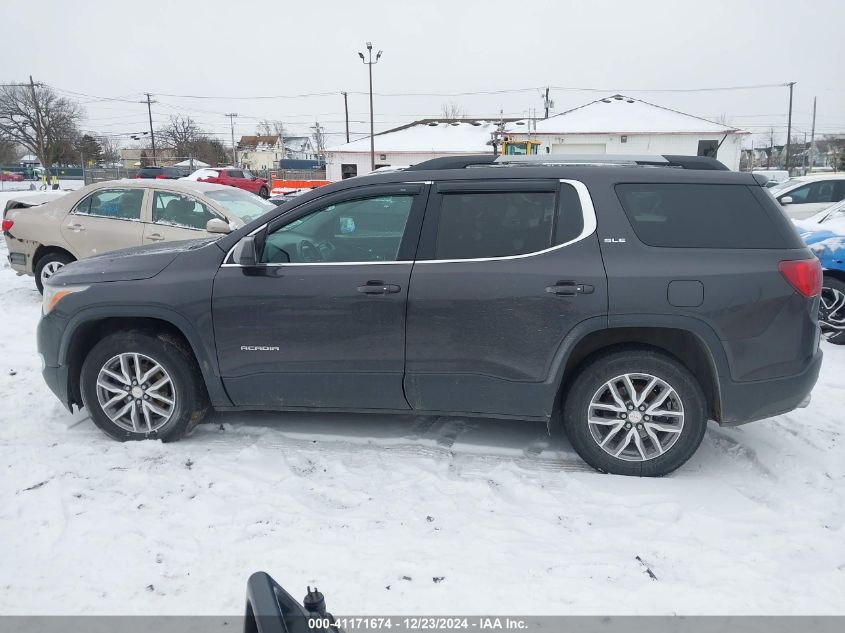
[167, 173]
[625, 300]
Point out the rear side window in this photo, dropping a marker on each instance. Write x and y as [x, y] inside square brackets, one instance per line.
[121, 204]
[698, 216]
[502, 223]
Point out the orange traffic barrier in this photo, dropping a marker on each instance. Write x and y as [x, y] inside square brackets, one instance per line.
[298, 184]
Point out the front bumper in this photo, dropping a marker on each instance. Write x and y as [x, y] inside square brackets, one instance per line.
[49, 336]
[749, 401]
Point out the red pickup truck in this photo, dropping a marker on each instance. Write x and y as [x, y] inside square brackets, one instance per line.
[235, 177]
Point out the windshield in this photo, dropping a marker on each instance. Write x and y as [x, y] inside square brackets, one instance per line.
[785, 185]
[242, 204]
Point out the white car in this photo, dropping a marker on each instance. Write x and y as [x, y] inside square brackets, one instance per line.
[804, 196]
[836, 214]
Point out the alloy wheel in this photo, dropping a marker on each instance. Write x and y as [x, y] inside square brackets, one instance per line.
[636, 417]
[136, 393]
[49, 270]
[832, 312]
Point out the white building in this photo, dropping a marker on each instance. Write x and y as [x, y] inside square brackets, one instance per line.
[624, 125]
[410, 144]
[300, 148]
[611, 125]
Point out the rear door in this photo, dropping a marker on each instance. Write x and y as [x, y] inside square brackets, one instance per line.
[320, 322]
[176, 216]
[107, 220]
[505, 270]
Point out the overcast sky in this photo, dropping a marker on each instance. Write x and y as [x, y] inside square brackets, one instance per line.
[119, 50]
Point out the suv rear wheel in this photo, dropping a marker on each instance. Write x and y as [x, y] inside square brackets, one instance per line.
[832, 310]
[139, 385]
[264, 192]
[635, 412]
[48, 265]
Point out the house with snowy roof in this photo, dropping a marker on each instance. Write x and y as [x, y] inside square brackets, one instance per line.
[411, 144]
[624, 125]
[611, 125]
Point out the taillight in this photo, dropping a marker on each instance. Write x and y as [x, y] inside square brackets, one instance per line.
[161, 177]
[805, 275]
[7, 225]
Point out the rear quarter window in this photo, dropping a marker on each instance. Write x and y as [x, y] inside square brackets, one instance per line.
[703, 216]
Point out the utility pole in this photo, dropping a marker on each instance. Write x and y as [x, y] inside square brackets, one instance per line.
[813, 135]
[39, 134]
[152, 133]
[804, 157]
[372, 132]
[232, 116]
[789, 126]
[546, 103]
[346, 113]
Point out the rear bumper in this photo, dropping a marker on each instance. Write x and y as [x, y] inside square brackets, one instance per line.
[749, 401]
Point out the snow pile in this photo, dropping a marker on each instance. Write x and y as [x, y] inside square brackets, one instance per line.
[373, 509]
[619, 114]
[431, 137]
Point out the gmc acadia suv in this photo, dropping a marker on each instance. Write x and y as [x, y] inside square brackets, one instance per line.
[626, 300]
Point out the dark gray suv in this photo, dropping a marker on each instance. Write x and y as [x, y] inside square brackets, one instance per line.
[624, 300]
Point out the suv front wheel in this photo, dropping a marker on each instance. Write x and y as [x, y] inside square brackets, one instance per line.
[138, 385]
[635, 412]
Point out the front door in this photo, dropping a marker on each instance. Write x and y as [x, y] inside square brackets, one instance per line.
[176, 216]
[503, 274]
[107, 220]
[320, 321]
[811, 198]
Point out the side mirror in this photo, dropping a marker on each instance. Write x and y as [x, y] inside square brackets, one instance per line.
[786, 200]
[216, 225]
[248, 254]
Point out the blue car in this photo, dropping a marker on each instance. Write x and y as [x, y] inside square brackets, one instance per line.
[824, 233]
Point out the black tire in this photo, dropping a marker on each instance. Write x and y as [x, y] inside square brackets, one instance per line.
[264, 192]
[606, 366]
[50, 258]
[831, 284]
[190, 402]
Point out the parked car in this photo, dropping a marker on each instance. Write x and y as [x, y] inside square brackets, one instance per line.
[233, 177]
[804, 196]
[628, 305]
[9, 176]
[117, 214]
[826, 238]
[161, 173]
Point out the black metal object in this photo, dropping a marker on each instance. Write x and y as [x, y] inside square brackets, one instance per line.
[477, 160]
[271, 609]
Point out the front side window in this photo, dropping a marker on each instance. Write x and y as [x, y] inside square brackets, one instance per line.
[364, 230]
[175, 209]
[495, 224]
[121, 204]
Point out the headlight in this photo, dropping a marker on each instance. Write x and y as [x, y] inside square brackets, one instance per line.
[54, 294]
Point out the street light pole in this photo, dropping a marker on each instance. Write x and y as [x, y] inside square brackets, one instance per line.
[232, 116]
[370, 65]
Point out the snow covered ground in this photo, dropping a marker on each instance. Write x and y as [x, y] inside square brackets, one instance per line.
[406, 515]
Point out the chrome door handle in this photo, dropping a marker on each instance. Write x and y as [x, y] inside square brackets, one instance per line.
[155, 237]
[76, 227]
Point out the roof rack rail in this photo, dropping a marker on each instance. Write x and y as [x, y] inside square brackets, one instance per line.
[539, 160]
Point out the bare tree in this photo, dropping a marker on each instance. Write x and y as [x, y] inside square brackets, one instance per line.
[111, 150]
[266, 127]
[8, 152]
[182, 135]
[40, 120]
[452, 110]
